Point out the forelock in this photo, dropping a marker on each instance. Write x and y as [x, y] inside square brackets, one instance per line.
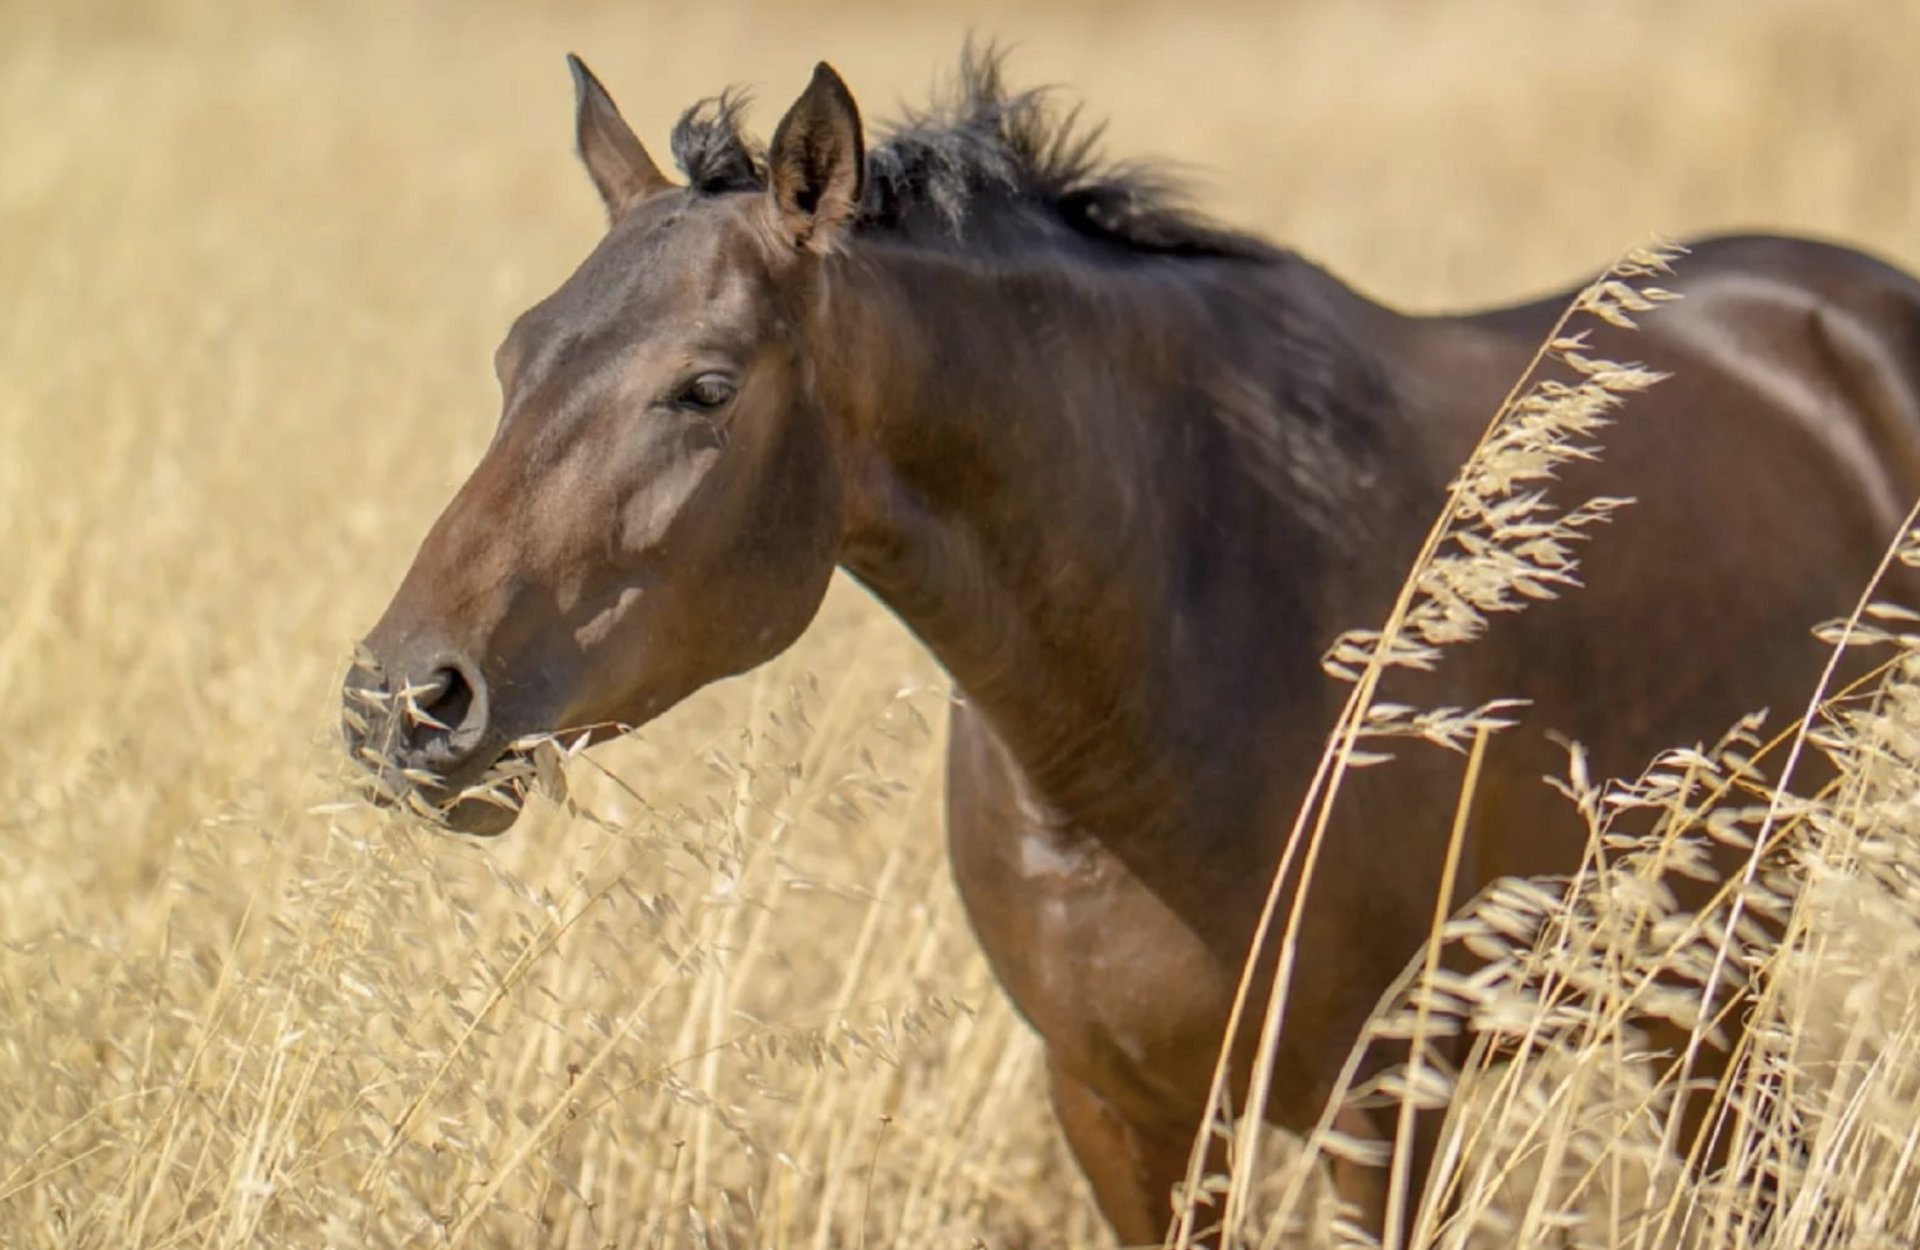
[712, 148]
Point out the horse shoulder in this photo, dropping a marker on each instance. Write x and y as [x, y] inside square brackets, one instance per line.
[1129, 998]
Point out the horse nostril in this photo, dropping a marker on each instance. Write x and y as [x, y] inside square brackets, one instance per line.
[416, 731]
[448, 707]
[442, 697]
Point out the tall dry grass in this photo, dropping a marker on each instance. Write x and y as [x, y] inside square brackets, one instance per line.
[255, 260]
[1568, 1123]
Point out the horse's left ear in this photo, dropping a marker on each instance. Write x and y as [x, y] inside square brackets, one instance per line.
[817, 164]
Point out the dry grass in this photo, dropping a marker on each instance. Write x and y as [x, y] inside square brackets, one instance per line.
[256, 259]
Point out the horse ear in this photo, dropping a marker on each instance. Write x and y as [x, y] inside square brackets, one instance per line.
[621, 170]
[817, 165]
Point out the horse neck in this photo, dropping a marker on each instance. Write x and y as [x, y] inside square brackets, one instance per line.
[1040, 489]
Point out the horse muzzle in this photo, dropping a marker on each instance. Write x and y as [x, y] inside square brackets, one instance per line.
[422, 733]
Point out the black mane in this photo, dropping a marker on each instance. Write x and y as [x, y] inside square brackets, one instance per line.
[1306, 409]
[983, 143]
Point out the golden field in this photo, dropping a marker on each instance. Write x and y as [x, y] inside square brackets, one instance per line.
[255, 259]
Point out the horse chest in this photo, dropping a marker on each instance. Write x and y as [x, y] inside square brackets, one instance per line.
[1127, 997]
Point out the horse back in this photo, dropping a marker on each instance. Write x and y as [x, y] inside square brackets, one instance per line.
[1769, 471]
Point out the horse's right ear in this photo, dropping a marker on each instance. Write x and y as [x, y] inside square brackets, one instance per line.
[621, 170]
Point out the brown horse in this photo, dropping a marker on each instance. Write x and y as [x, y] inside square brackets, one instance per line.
[1126, 474]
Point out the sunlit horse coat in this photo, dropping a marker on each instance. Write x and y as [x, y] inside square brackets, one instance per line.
[1126, 474]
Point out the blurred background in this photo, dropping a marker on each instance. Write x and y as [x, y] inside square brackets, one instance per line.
[254, 259]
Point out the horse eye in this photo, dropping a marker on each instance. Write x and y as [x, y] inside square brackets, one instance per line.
[707, 392]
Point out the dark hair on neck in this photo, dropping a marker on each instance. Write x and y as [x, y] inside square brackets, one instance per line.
[982, 144]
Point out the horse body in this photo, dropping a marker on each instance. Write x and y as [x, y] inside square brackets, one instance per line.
[1127, 477]
[1122, 940]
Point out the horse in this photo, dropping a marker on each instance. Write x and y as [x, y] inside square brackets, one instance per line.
[1127, 473]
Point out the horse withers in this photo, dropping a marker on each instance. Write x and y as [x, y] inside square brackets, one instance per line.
[1127, 474]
